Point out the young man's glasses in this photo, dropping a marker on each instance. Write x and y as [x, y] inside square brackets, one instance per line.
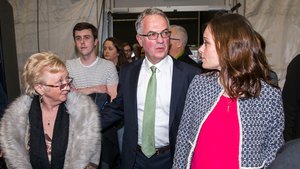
[154, 35]
[61, 86]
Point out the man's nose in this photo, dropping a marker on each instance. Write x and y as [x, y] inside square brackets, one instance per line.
[160, 38]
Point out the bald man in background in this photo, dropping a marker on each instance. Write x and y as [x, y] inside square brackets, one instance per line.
[178, 46]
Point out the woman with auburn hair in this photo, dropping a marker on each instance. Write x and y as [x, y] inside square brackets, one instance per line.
[233, 116]
[49, 126]
[113, 51]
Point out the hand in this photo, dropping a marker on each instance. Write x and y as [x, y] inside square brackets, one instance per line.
[91, 166]
[93, 89]
[101, 89]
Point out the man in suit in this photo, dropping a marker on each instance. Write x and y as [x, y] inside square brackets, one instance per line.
[178, 46]
[172, 81]
[291, 100]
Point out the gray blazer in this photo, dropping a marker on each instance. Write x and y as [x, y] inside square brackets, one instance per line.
[261, 121]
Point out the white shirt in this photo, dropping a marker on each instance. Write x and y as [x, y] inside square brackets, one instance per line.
[164, 74]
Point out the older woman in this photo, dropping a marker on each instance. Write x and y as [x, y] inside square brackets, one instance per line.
[49, 126]
[233, 116]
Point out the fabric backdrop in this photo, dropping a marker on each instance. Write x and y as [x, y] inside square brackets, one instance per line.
[46, 25]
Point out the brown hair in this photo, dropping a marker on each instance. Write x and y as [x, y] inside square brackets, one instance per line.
[118, 45]
[241, 57]
[85, 25]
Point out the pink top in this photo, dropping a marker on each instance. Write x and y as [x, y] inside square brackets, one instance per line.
[218, 142]
[48, 142]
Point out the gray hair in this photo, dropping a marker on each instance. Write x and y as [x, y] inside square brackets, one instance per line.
[181, 33]
[147, 12]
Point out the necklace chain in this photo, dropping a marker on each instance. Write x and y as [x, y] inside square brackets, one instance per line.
[229, 101]
[47, 118]
[229, 104]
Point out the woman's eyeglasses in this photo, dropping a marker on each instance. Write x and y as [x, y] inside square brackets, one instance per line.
[61, 86]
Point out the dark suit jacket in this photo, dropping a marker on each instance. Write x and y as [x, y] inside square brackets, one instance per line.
[125, 106]
[185, 58]
[288, 156]
[291, 100]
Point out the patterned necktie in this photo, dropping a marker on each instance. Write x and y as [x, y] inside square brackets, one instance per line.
[148, 139]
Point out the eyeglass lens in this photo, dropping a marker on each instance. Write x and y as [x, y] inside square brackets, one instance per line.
[63, 86]
[163, 34]
[154, 35]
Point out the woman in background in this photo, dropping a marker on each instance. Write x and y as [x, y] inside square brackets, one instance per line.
[112, 138]
[233, 116]
[113, 51]
[49, 126]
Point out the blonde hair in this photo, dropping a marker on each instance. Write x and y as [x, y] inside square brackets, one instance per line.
[35, 66]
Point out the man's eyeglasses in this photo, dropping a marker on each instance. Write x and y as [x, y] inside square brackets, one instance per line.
[154, 35]
[61, 86]
[174, 38]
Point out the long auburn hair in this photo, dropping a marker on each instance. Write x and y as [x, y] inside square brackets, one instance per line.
[242, 61]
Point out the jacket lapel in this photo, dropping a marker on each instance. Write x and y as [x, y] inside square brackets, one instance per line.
[134, 73]
[177, 85]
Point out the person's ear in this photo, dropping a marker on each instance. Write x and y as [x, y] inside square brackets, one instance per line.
[139, 39]
[39, 89]
[179, 44]
[96, 42]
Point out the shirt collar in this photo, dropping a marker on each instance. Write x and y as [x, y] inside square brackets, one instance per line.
[160, 65]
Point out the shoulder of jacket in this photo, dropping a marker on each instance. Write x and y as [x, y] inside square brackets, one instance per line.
[19, 106]
[78, 103]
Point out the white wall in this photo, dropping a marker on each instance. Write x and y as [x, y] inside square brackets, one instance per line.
[168, 5]
[148, 3]
[279, 23]
[52, 31]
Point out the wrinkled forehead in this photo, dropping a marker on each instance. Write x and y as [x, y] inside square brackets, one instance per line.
[155, 23]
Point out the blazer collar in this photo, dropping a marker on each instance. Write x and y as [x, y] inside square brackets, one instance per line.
[177, 88]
